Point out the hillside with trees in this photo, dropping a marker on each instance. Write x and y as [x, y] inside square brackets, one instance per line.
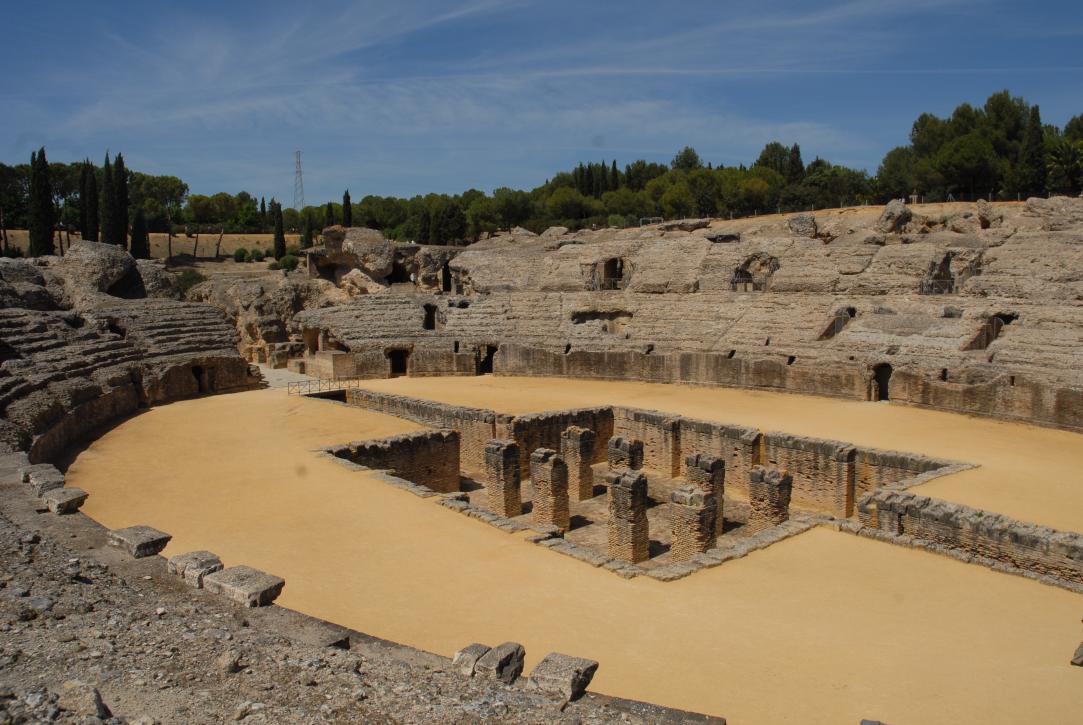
[1001, 150]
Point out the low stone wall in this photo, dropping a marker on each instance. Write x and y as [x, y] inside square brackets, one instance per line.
[476, 427]
[942, 525]
[544, 430]
[429, 458]
[822, 470]
[660, 433]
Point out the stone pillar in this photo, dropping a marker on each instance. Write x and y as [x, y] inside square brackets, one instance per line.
[577, 450]
[502, 478]
[768, 498]
[629, 535]
[625, 453]
[692, 514]
[549, 476]
[708, 474]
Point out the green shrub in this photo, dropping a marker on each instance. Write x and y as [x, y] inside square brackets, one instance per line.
[274, 265]
[188, 279]
[254, 255]
[289, 262]
[293, 251]
[240, 254]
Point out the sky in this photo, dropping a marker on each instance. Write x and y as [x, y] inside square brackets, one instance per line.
[408, 97]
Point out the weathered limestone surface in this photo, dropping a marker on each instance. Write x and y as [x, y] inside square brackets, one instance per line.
[708, 474]
[193, 566]
[244, 585]
[624, 453]
[503, 478]
[139, 541]
[564, 675]
[64, 500]
[466, 659]
[768, 498]
[693, 516]
[549, 477]
[577, 450]
[628, 530]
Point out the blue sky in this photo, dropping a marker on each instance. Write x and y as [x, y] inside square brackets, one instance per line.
[409, 97]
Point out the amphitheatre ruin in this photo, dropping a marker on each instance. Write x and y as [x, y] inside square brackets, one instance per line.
[815, 468]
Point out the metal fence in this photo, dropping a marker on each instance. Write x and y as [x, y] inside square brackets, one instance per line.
[309, 387]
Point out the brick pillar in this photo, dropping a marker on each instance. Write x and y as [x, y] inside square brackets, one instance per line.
[625, 453]
[577, 450]
[692, 514]
[768, 498]
[629, 535]
[708, 474]
[549, 476]
[845, 481]
[502, 478]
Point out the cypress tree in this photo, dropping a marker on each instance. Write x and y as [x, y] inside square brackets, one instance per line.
[614, 177]
[1032, 167]
[306, 236]
[329, 217]
[120, 196]
[280, 234]
[795, 167]
[42, 211]
[262, 214]
[140, 238]
[108, 202]
[84, 215]
[347, 210]
[91, 231]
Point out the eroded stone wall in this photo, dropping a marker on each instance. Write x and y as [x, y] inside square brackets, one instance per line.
[430, 458]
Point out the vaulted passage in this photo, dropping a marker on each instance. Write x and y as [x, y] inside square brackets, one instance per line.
[485, 359]
[882, 380]
[400, 360]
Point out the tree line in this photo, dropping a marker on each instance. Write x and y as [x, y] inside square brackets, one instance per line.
[1001, 150]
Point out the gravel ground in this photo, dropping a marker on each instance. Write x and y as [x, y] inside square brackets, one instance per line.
[89, 636]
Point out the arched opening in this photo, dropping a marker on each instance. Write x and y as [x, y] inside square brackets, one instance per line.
[485, 359]
[399, 274]
[430, 317]
[791, 359]
[400, 361]
[203, 378]
[445, 278]
[612, 277]
[882, 378]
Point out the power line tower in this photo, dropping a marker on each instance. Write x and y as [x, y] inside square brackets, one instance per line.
[298, 185]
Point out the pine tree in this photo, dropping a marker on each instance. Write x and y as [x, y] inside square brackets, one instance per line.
[108, 202]
[347, 210]
[42, 211]
[92, 223]
[84, 215]
[262, 214]
[329, 216]
[280, 234]
[120, 199]
[1032, 166]
[140, 238]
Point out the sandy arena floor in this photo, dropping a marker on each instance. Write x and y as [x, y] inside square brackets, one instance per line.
[1027, 472]
[822, 628]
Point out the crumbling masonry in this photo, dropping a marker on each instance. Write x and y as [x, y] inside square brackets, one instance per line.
[629, 536]
[502, 478]
[549, 476]
[577, 450]
[768, 498]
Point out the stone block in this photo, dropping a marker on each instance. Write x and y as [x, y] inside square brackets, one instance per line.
[193, 566]
[467, 658]
[1077, 658]
[503, 662]
[624, 453]
[139, 541]
[564, 675]
[42, 477]
[64, 500]
[244, 585]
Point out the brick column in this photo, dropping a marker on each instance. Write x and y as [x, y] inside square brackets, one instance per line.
[708, 474]
[625, 453]
[768, 498]
[629, 535]
[502, 478]
[577, 450]
[692, 515]
[549, 476]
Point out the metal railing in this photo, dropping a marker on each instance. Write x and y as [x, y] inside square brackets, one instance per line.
[308, 387]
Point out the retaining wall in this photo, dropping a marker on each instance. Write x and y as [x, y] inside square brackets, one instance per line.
[430, 458]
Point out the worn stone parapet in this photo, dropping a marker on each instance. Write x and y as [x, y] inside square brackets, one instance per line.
[625, 453]
[708, 473]
[503, 662]
[64, 500]
[244, 585]
[577, 450]
[822, 471]
[503, 478]
[42, 477]
[139, 541]
[628, 530]
[193, 566]
[429, 458]
[939, 524]
[561, 674]
[768, 498]
[549, 477]
[693, 514]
